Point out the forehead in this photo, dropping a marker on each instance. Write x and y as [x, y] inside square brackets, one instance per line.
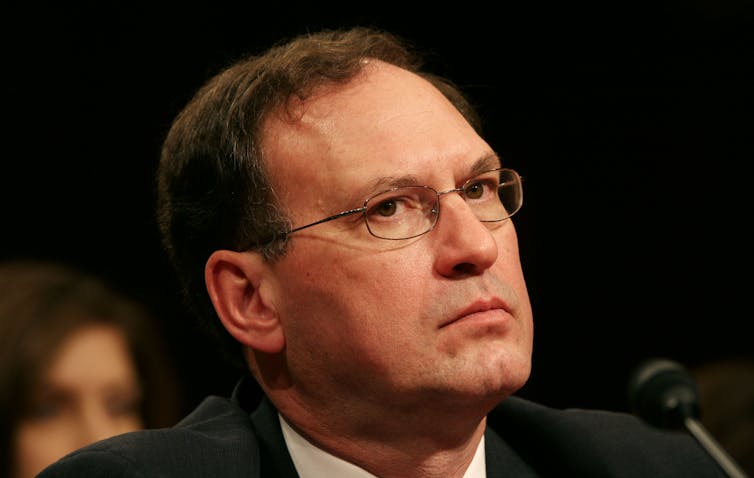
[73, 362]
[387, 122]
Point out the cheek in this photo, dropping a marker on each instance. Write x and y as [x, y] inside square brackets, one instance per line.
[340, 278]
[508, 264]
[367, 297]
[36, 445]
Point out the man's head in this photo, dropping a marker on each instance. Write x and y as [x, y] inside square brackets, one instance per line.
[332, 315]
[213, 185]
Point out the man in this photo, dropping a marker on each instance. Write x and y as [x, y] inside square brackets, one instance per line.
[353, 231]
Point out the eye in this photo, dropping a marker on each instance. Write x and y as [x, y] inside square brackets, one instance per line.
[483, 187]
[124, 407]
[398, 204]
[474, 190]
[45, 411]
[385, 208]
[47, 406]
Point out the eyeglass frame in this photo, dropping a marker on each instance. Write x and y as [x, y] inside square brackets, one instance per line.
[364, 208]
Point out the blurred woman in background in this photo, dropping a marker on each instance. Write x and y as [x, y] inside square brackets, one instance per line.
[79, 361]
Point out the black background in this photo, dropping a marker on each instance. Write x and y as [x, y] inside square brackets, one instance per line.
[632, 124]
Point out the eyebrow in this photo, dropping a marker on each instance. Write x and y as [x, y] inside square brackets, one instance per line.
[485, 163]
[388, 182]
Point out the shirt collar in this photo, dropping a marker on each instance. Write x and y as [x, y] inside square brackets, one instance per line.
[313, 462]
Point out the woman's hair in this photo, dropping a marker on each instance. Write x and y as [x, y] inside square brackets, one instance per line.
[41, 305]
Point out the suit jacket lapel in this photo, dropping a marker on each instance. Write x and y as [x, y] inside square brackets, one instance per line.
[274, 456]
[502, 460]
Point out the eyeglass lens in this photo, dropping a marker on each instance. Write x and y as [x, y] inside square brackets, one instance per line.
[411, 211]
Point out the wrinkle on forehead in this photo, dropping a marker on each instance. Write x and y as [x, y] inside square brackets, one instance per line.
[385, 122]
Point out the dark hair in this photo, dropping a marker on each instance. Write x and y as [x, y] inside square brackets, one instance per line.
[213, 187]
[41, 304]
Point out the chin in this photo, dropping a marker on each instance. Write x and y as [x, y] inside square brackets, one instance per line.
[504, 376]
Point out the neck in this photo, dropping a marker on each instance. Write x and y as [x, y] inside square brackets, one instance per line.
[393, 444]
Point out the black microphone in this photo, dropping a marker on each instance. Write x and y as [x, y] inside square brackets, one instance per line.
[663, 393]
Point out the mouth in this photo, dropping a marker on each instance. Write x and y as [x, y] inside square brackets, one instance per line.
[487, 310]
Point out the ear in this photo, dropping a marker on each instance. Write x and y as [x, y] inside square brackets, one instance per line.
[236, 282]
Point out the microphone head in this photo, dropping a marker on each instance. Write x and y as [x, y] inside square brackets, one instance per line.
[663, 393]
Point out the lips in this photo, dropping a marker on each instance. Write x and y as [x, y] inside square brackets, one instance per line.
[476, 307]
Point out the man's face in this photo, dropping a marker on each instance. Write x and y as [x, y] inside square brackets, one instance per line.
[443, 318]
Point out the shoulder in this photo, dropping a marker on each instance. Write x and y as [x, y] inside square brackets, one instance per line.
[597, 442]
[217, 437]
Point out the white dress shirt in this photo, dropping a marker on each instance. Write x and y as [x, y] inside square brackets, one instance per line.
[313, 462]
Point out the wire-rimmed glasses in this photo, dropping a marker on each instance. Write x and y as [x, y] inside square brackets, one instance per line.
[410, 211]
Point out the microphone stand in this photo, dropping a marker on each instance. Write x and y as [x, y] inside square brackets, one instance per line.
[713, 448]
[664, 394]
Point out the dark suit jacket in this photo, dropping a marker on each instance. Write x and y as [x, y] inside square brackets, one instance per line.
[221, 438]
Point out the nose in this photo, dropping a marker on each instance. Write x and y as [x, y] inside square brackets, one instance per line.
[465, 245]
[96, 428]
